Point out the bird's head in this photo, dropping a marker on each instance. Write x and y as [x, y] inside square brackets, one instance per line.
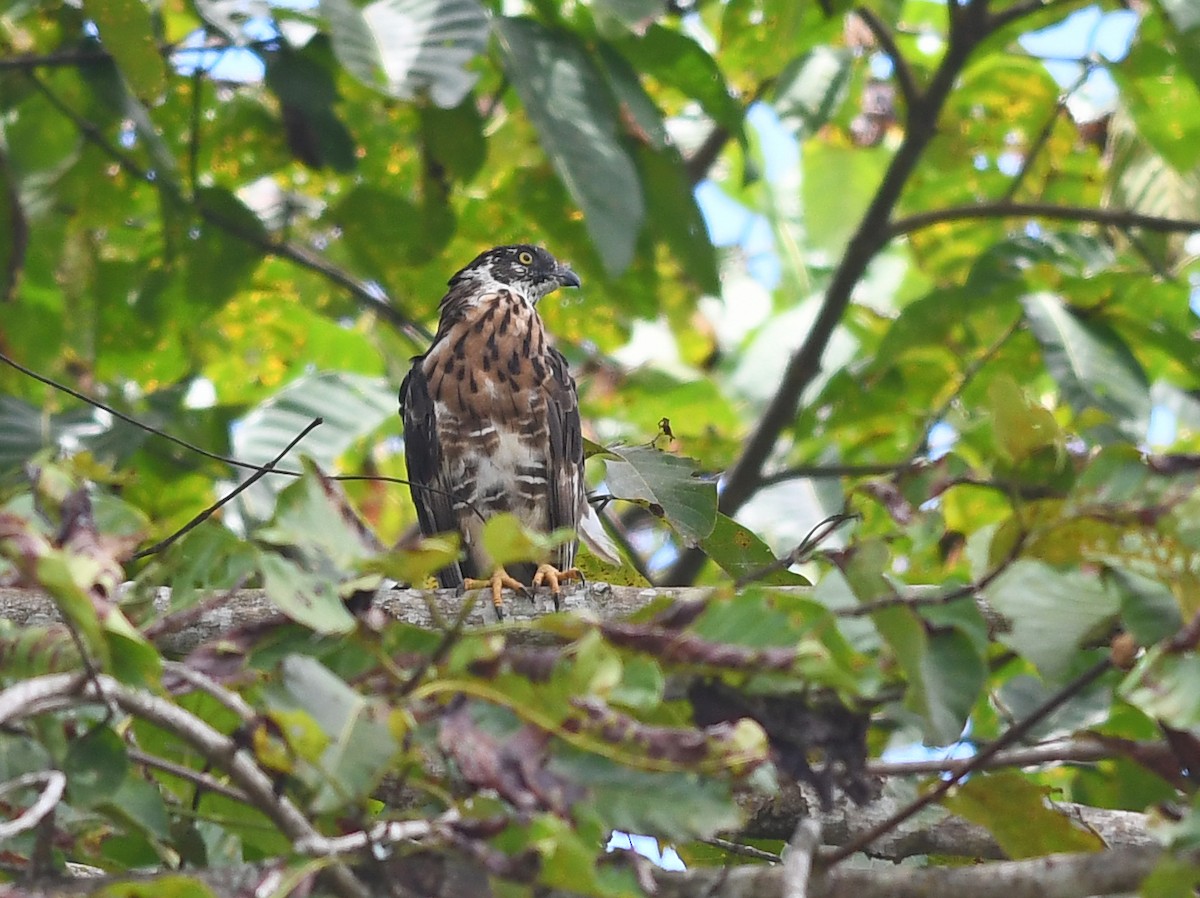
[529, 270]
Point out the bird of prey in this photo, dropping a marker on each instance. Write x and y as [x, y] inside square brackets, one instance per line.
[491, 422]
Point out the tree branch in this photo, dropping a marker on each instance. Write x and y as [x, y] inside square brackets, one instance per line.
[1117, 218]
[905, 79]
[741, 481]
[370, 298]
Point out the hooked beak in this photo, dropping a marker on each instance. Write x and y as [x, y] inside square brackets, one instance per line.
[566, 277]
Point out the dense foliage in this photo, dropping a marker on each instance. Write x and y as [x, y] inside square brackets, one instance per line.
[957, 315]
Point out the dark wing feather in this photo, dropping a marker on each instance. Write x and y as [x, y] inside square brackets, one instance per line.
[565, 462]
[431, 493]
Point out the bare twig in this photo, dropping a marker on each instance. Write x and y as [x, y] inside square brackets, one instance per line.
[54, 783]
[815, 537]
[207, 513]
[743, 850]
[1012, 735]
[1116, 218]
[905, 79]
[798, 858]
[54, 691]
[741, 481]
[370, 297]
[205, 781]
[1066, 751]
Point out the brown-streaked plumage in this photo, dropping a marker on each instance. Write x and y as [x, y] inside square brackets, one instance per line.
[491, 419]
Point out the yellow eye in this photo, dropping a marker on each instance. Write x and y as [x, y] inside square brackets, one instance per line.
[525, 258]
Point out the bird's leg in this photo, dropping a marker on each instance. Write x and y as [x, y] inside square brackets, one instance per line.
[500, 578]
[553, 577]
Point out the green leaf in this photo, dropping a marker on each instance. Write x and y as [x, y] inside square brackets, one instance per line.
[667, 485]
[139, 805]
[454, 137]
[1014, 810]
[1091, 365]
[127, 32]
[1165, 685]
[361, 746]
[415, 564]
[944, 669]
[569, 106]
[410, 48]
[507, 540]
[351, 406]
[1052, 611]
[310, 598]
[307, 94]
[812, 87]
[667, 805]
[168, 886]
[676, 60]
[1022, 426]
[94, 765]
[14, 231]
[1152, 79]
[738, 551]
[225, 245]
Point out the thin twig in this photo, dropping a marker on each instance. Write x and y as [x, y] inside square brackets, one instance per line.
[192, 447]
[372, 298]
[905, 79]
[205, 781]
[964, 380]
[817, 535]
[1010, 736]
[1066, 751]
[1116, 218]
[743, 850]
[55, 783]
[203, 516]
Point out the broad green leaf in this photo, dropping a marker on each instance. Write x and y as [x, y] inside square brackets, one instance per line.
[416, 563]
[310, 598]
[667, 805]
[361, 745]
[307, 94]
[944, 670]
[812, 87]
[1052, 611]
[1165, 685]
[738, 551]
[1014, 810]
[410, 48]
[127, 32]
[569, 105]
[138, 804]
[311, 518]
[26, 430]
[95, 764]
[667, 485]
[223, 247]
[1153, 78]
[454, 137]
[1022, 426]
[350, 405]
[1092, 367]
[676, 60]
[14, 231]
[166, 886]
[507, 540]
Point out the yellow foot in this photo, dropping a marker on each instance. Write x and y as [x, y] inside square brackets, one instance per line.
[553, 577]
[497, 582]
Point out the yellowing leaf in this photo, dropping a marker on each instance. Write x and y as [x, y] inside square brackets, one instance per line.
[1014, 810]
